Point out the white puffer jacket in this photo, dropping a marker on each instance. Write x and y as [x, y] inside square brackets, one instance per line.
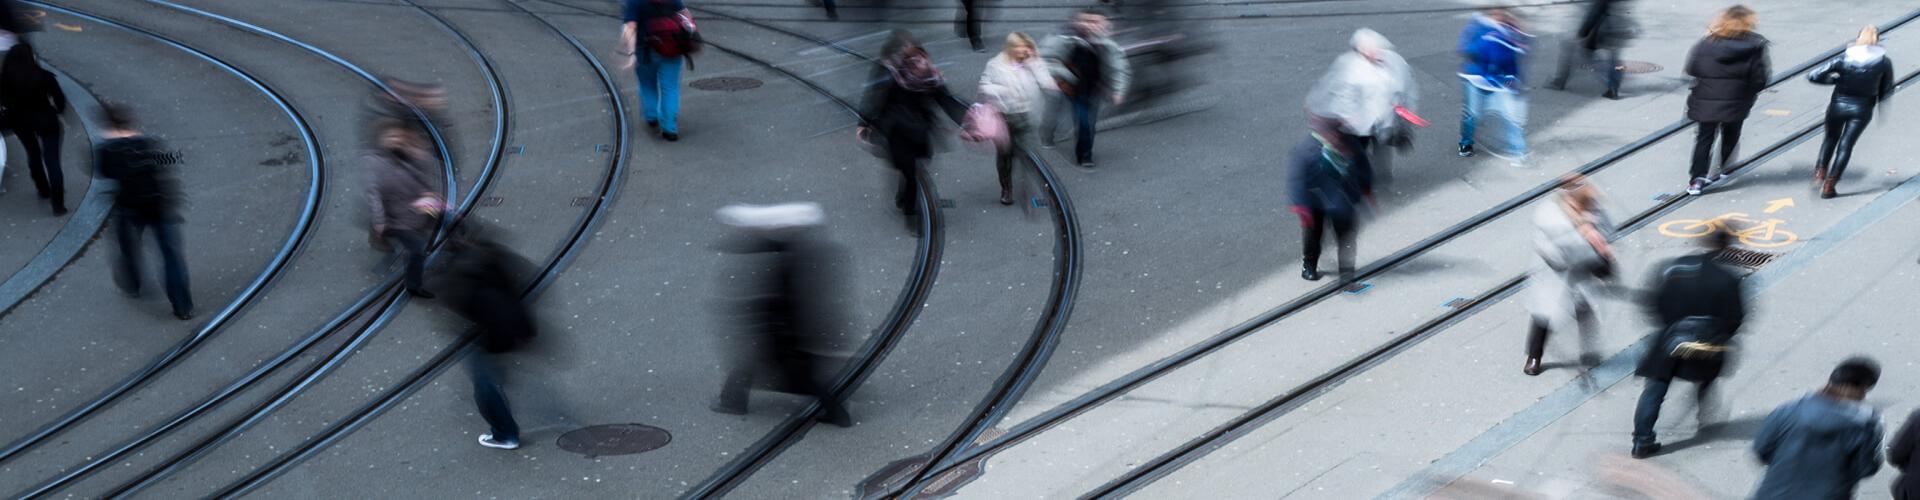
[1016, 87]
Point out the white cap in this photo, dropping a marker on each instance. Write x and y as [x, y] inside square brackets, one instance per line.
[778, 216]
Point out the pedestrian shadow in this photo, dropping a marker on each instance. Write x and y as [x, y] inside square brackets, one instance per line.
[1743, 428]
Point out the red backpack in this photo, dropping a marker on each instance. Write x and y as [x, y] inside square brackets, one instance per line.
[671, 34]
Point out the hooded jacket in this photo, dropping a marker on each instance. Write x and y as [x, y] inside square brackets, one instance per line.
[1817, 448]
[1861, 78]
[1360, 92]
[1493, 51]
[1728, 75]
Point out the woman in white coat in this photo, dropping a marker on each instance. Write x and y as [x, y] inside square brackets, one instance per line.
[1013, 85]
[1572, 239]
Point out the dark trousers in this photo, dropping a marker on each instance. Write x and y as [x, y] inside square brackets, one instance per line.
[1837, 149]
[484, 370]
[1017, 133]
[971, 22]
[43, 162]
[1538, 329]
[1605, 62]
[1647, 412]
[907, 156]
[1343, 233]
[1086, 111]
[796, 370]
[412, 246]
[1729, 133]
[128, 228]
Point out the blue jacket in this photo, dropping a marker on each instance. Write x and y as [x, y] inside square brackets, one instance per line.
[1817, 448]
[1493, 52]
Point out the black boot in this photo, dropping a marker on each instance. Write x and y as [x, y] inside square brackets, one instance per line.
[1310, 272]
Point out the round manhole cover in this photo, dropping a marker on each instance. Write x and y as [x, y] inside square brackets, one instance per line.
[727, 83]
[1639, 67]
[614, 439]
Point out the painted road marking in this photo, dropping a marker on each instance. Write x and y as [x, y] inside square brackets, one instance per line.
[1776, 205]
[1753, 233]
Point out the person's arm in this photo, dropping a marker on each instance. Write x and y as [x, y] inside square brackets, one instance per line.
[1866, 457]
[1119, 73]
[1055, 50]
[1903, 442]
[1886, 79]
[54, 93]
[1825, 74]
[1768, 440]
[1763, 70]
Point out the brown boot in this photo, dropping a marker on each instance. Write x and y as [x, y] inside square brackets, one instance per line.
[1819, 175]
[1006, 196]
[1826, 189]
[1532, 368]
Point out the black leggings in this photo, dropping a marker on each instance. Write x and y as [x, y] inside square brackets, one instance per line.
[43, 161]
[1842, 133]
[1343, 234]
[1703, 146]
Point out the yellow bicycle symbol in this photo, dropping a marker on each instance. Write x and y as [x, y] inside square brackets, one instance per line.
[1753, 233]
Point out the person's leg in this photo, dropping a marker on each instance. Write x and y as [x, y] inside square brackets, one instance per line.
[904, 159]
[973, 24]
[1589, 325]
[1569, 50]
[1702, 149]
[175, 265]
[35, 168]
[414, 247]
[1310, 240]
[669, 82]
[1513, 107]
[127, 272]
[1085, 115]
[1470, 115]
[489, 399]
[1843, 152]
[50, 158]
[1828, 142]
[647, 71]
[1647, 413]
[1345, 234]
[1611, 72]
[1537, 330]
[1729, 144]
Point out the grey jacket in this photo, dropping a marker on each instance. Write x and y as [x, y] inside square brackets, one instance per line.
[1817, 447]
[1056, 49]
[394, 186]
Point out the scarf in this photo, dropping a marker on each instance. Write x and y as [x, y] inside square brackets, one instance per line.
[914, 71]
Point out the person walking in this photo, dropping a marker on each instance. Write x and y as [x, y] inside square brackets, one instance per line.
[1700, 305]
[146, 197]
[1603, 31]
[1861, 78]
[1729, 67]
[1365, 91]
[656, 36]
[33, 103]
[1328, 180]
[1088, 64]
[1494, 47]
[1014, 85]
[1821, 445]
[1571, 238]
[901, 109]
[791, 312]
[1904, 452]
[404, 199]
[486, 282]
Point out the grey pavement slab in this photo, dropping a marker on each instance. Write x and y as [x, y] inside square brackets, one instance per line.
[1387, 425]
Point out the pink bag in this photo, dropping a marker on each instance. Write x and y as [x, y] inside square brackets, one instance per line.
[985, 130]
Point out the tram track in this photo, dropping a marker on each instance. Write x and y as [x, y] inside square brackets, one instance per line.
[384, 296]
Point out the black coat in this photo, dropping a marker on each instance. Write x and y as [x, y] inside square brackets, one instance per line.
[33, 103]
[1604, 26]
[907, 116]
[142, 171]
[1902, 453]
[1691, 286]
[1728, 74]
[487, 281]
[1327, 180]
[1857, 84]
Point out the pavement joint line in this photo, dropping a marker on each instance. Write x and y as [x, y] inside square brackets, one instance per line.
[87, 218]
[1615, 369]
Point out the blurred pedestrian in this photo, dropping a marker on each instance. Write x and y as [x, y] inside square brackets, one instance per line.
[146, 196]
[1328, 181]
[1089, 67]
[900, 107]
[1729, 67]
[1700, 305]
[486, 282]
[1571, 238]
[1014, 85]
[1861, 78]
[1902, 453]
[1366, 91]
[657, 35]
[33, 103]
[1603, 31]
[1821, 445]
[791, 311]
[404, 199]
[399, 106]
[1494, 47]
[970, 22]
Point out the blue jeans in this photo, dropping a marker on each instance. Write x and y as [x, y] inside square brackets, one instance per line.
[1647, 412]
[659, 89]
[1086, 111]
[128, 228]
[484, 370]
[1511, 106]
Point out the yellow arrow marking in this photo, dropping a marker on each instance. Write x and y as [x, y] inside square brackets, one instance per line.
[66, 26]
[1778, 112]
[1776, 205]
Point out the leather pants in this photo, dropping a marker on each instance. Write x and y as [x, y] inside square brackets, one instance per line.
[1846, 119]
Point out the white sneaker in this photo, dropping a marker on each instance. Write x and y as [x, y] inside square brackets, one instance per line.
[1699, 183]
[1515, 161]
[487, 440]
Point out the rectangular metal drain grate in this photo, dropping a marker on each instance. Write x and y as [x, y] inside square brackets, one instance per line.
[581, 201]
[1746, 258]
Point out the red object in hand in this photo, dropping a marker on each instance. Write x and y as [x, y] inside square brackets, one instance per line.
[1407, 114]
[1306, 216]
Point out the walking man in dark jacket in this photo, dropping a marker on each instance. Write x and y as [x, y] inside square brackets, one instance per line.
[146, 197]
[1729, 68]
[1701, 305]
[404, 199]
[486, 282]
[1821, 445]
[1901, 454]
[1328, 180]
